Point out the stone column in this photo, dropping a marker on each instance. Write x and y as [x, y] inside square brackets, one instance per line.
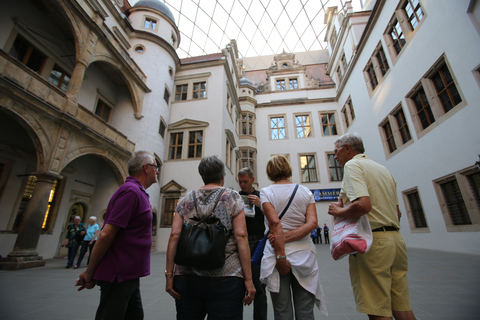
[73, 89]
[24, 253]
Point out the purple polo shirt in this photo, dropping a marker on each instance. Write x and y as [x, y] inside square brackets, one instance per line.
[129, 256]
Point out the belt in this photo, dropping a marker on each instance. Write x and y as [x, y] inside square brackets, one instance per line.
[385, 229]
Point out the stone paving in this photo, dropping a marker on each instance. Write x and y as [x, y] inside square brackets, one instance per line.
[443, 286]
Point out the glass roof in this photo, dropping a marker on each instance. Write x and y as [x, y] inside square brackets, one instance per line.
[260, 27]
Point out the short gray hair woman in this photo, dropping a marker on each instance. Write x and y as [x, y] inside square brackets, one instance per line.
[198, 292]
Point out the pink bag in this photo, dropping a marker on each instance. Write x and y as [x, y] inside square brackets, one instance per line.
[350, 236]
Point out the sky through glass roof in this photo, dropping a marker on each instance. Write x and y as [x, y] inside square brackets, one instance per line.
[261, 27]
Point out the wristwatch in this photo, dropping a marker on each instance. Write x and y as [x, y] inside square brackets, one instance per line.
[281, 257]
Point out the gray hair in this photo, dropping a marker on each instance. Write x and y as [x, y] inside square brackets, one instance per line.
[137, 161]
[245, 171]
[353, 140]
[211, 169]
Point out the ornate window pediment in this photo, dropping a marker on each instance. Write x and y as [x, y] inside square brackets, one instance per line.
[187, 124]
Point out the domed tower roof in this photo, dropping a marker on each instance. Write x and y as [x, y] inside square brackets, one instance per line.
[156, 4]
[244, 80]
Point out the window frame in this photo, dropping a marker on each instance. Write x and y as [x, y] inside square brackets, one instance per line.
[106, 103]
[270, 129]
[315, 168]
[376, 69]
[339, 170]
[400, 18]
[336, 124]
[348, 113]
[411, 213]
[188, 83]
[153, 23]
[248, 123]
[396, 137]
[430, 93]
[472, 208]
[311, 134]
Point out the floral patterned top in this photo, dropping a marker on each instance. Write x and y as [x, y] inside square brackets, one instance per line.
[228, 207]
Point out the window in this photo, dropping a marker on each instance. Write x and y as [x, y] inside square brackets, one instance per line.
[423, 110]
[334, 169]
[281, 85]
[166, 95]
[387, 129]
[150, 23]
[371, 77]
[277, 128]
[293, 84]
[48, 219]
[414, 12]
[59, 78]
[181, 92]
[169, 210]
[247, 123]
[189, 88]
[103, 110]
[308, 168]
[329, 126]
[344, 62]
[175, 149]
[348, 114]
[333, 38]
[339, 74]
[200, 90]
[415, 213]
[230, 145]
[402, 126]
[394, 131]
[162, 128]
[302, 124]
[405, 20]
[446, 90]
[29, 55]
[382, 60]
[397, 36]
[195, 143]
[455, 204]
[434, 96]
[458, 195]
[376, 68]
[248, 158]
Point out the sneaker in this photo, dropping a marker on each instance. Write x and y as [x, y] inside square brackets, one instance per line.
[76, 267]
[68, 267]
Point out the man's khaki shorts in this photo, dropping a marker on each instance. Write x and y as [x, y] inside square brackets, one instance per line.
[379, 277]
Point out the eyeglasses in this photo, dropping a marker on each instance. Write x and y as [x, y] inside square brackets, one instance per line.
[157, 167]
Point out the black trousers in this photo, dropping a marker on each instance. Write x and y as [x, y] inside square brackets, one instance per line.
[120, 301]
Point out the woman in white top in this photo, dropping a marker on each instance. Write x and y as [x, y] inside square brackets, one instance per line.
[289, 264]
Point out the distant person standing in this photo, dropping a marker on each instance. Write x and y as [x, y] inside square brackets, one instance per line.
[122, 252]
[319, 234]
[89, 240]
[73, 239]
[379, 277]
[325, 234]
[256, 230]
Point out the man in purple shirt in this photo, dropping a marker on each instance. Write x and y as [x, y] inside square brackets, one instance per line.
[122, 252]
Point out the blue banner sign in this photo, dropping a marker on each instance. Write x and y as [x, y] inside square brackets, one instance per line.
[326, 194]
